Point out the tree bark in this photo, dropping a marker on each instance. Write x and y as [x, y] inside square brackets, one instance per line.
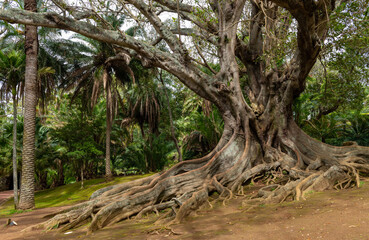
[27, 200]
[15, 172]
[109, 121]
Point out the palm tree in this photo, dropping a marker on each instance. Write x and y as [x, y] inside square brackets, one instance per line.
[356, 129]
[172, 131]
[53, 67]
[51, 64]
[27, 199]
[40, 85]
[105, 71]
[11, 78]
[144, 101]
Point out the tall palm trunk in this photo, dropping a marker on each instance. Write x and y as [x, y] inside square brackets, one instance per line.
[109, 121]
[15, 172]
[27, 199]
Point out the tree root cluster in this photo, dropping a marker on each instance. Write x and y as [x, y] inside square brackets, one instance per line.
[290, 170]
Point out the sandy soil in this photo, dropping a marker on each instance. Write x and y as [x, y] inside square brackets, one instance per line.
[329, 215]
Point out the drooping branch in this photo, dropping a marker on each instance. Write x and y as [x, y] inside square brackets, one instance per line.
[124, 59]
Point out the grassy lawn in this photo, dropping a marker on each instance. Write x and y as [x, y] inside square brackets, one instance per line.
[67, 194]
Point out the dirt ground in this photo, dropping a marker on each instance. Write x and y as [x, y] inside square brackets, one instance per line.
[5, 195]
[329, 215]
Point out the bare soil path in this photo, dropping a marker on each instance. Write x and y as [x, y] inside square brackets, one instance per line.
[331, 215]
[5, 195]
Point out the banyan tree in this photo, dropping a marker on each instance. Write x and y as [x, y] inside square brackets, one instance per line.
[265, 50]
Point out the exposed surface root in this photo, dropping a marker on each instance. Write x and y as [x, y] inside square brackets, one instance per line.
[291, 168]
[194, 202]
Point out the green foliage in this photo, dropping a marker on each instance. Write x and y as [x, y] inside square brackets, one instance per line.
[12, 66]
[132, 157]
[77, 139]
[207, 122]
[145, 103]
[328, 93]
[6, 153]
[338, 128]
[144, 155]
[158, 150]
[356, 129]
[323, 129]
[338, 83]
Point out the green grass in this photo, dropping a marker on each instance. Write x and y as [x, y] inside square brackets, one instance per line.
[67, 194]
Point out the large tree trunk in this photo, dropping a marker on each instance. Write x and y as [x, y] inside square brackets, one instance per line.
[27, 200]
[15, 171]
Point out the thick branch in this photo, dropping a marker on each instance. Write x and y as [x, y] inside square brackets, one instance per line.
[188, 73]
[53, 20]
[174, 6]
[312, 17]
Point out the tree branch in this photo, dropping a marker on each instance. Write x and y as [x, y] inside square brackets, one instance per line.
[188, 73]
[193, 32]
[203, 58]
[312, 18]
[172, 5]
[160, 28]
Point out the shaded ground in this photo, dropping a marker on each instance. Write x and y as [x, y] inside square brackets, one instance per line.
[329, 215]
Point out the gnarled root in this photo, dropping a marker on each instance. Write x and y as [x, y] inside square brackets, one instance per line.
[295, 166]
